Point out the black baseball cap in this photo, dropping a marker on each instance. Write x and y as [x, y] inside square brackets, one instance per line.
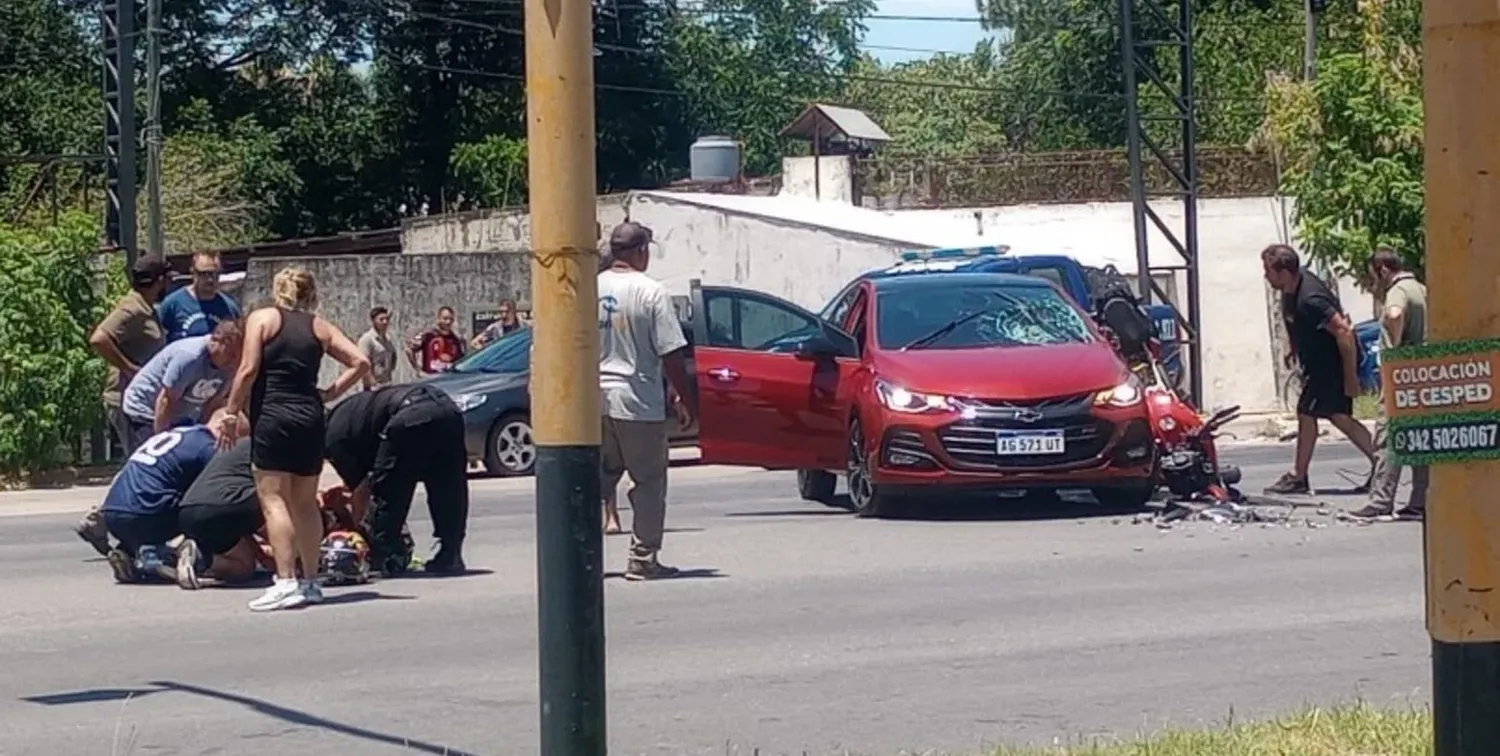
[148, 269]
[628, 236]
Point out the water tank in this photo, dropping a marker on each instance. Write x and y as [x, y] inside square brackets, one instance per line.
[714, 159]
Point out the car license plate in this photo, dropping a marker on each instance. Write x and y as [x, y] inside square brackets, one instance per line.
[1014, 444]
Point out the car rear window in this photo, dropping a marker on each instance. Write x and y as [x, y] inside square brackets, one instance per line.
[987, 315]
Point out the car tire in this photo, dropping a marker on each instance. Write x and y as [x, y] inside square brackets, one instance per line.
[508, 449]
[817, 485]
[1125, 499]
[866, 498]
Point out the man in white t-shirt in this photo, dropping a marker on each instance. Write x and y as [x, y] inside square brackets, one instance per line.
[639, 338]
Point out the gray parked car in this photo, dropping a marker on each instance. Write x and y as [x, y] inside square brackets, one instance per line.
[491, 387]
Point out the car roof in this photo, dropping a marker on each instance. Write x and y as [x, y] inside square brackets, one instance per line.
[947, 279]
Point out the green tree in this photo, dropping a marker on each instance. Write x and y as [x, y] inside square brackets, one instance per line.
[221, 183]
[49, 101]
[926, 116]
[749, 66]
[1352, 144]
[493, 171]
[51, 294]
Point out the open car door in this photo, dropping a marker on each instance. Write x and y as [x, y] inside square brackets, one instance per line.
[773, 381]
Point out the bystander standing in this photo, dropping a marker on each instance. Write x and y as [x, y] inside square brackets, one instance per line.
[508, 322]
[198, 308]
[1324, 344]
[1403, 322]
[127, 338]
[376, 346]
[639, 337]
[436, 349]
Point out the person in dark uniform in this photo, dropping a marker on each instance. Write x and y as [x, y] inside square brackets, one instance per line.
[219, 517]
[284, 348]
[382, 443]
[1325, 345]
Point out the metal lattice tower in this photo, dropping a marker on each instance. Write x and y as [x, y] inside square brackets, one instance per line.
[1150, 144]
[117, 19]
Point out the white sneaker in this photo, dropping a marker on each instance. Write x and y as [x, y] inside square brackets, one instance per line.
[187, 565]
[312, 593]
[285, 593]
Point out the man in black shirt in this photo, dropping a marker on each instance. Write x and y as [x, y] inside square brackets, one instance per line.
[382, 443]
[219, 516]
[1323, 341]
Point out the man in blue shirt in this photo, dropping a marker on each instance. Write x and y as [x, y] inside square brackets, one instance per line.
[198, 308]
[182, 383]
[141, 506]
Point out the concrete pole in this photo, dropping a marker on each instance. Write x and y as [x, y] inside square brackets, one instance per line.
[1461, 80]
[565, 375]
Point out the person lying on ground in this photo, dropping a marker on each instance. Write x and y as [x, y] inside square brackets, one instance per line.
[223, 527]
[141, 507]
[382, 443]
[219, 516]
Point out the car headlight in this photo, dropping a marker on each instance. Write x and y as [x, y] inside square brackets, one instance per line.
[1124, 395]
[905, 400]
[467, 402]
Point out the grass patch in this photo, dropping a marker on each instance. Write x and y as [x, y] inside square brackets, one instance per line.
[1366, 407]
[1348, 731]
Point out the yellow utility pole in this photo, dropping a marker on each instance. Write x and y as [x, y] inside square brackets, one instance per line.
[1441, 397]
[565, 375]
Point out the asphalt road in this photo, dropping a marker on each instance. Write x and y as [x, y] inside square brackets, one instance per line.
[803, 630]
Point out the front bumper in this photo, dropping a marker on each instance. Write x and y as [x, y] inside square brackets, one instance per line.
[1102, 448]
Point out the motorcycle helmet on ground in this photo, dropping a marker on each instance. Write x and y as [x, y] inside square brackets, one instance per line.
[345, 558]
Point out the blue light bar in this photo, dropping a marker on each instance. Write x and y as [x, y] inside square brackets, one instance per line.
[952, 252]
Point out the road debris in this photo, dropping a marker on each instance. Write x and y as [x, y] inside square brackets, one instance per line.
[1263, 511]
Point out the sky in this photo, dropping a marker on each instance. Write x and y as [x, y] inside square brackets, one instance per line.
[921, 38]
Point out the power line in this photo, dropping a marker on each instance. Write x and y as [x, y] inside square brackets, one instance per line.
[515, 7]
[680, 93]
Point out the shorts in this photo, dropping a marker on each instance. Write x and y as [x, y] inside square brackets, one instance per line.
[288, 442]
[1324, 398]
[217, 528]
[134, 530]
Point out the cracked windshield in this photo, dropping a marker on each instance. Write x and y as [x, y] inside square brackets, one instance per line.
[977, 316]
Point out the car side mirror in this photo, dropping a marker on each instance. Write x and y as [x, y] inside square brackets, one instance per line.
[817, 347]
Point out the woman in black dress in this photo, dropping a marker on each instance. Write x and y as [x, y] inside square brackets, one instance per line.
[284, 348]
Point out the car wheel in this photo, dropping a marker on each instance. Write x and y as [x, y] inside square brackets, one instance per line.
[510, 450]
[867, 498]
[1125, 499]
[816, 485]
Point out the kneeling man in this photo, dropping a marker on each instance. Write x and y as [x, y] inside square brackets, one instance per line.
[140, 509]
[382, 443]
[219, 517]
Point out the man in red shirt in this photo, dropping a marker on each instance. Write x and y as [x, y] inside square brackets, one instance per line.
[436, 349]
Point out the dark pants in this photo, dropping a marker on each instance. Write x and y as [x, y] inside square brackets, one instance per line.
[134, 531]
[423, 443]
[140, 431]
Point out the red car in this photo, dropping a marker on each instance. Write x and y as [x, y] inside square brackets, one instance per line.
[921, 385]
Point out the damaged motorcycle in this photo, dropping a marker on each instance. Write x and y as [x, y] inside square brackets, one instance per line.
[1189, 465]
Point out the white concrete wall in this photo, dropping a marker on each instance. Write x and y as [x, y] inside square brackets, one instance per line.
[505, 230]
[802, 264]
[828, 178]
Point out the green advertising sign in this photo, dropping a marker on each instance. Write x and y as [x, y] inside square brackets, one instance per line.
[1441, 401]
